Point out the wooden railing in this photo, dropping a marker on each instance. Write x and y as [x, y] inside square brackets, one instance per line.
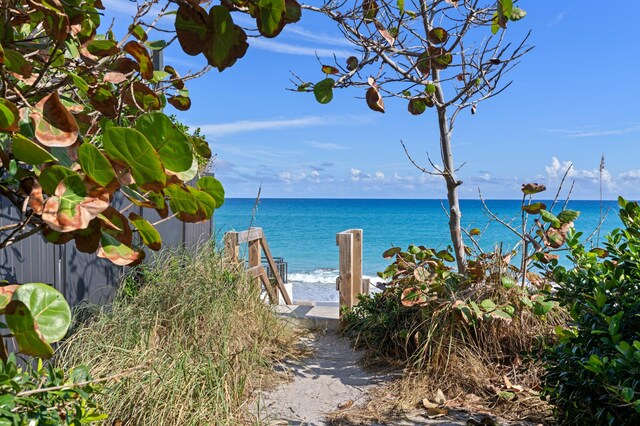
[350, 282]
[257, 243]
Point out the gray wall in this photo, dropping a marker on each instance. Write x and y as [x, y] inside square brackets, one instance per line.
[80, 276]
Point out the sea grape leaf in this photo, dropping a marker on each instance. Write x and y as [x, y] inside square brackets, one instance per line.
[181, 103]
[48, 307]
[54, 124]
[9, 116]
[117, 252]
[192, 29]
[87, 240]
[270, 17]
[118, 226]
[74, 205]
[30, 152]
[138, 32]
[567, 216]
[190, 204]
[389, 253]
[542, 307]
[200, 147]
[172, 145]
[15, 62]
[517, 14]
[328, 69]
[370, 9]
[6, 293]
[96, 166]
[52, 176]
[438, 35]
[133, 150]
[142, 97]
[547, 216]
[323, 90]
[227, 42]
[534, 208]
[417, 106]
[293, 11]
[532, 188]
[374, 100]
[102, 48]
[352, 63]
[148, 233]
[213, 187]
[141, 55]
[25, 331]
[104, 100]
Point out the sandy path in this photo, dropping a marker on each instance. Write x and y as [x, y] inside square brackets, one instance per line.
[319, 385]
[322, 383]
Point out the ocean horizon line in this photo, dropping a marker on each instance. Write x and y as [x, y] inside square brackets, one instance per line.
[413, 199]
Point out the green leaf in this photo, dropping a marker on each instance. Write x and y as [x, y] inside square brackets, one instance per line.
[567, 216]
[534, 208]
[141, 55]
[48, 307]
[474, 232]
[488, 305]
[391, 252]
[172, 145]
[227, 42]
[102, 48]
[149, 235]
[30, 152]
[190, 204]
[507, 7]
[627, 394]
[400, 4]
[541, 307]
[9, 116]
[25, 330]
[96, 165]
[550, 217]
[445, 255]
[52, 176]
[270, 17]
[508, 282]
[117, 252]
[417, 106]
[130, 147]
[138, 32]
[213, 187]
[323, 90]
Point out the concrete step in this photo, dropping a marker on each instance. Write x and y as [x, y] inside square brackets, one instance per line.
[311, 315]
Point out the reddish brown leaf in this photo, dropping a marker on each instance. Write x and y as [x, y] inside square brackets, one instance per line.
[181, 103]
[141, 55]
[123, 232]
[413, 296]
[175, 80]
[54, 124]
[88, 239]
[191, 29]
[374, 100]
[124, 65]
[384, 33]
[140, 96]
[103, 100]
[36, 199]
[114, 77]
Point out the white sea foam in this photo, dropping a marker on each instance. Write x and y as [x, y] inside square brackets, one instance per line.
[319, 284]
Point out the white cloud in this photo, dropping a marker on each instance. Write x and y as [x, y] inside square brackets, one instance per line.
[243, 126]
[379, 176]
[558, 168]
[630, 175]
[326, 145]
[589, 133]
[292, 49]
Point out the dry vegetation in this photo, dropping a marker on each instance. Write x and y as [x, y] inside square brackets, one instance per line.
[196, 336]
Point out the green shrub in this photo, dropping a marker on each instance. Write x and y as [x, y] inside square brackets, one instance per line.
[593, 373]
[464, 332]
[44, 395]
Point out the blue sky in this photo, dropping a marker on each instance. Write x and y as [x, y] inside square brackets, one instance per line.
[573, 98]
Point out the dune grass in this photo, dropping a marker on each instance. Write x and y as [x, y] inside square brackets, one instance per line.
[196, 336]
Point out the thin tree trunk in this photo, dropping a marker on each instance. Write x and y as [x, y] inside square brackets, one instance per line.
[449, 175]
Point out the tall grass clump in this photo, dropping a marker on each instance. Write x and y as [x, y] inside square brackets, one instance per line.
[194, 335]
[465, 335]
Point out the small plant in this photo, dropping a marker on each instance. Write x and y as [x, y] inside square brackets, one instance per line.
[593, 372]
[45, 395]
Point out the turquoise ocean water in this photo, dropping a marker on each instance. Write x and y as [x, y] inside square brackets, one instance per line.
[303, 231]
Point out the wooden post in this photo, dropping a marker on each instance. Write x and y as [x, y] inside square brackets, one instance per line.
[274, 269]
[344, 240]
[254, 253]
[356, 265]
[231, 249]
